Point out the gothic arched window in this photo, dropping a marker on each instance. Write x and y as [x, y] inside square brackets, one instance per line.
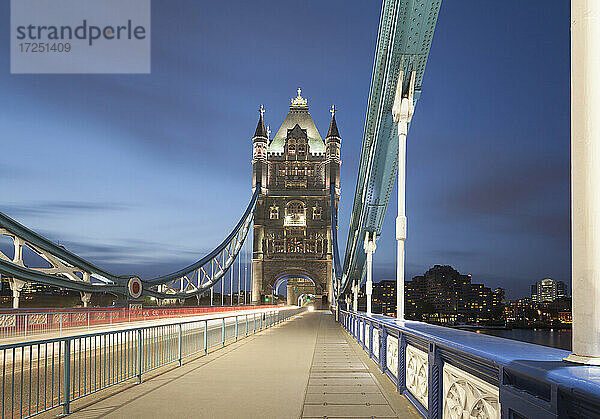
[295, 214]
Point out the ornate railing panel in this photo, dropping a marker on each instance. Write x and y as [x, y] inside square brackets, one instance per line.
[450, 373]
[375, 349]
[392, 355]
[417, 372]
[466, 396]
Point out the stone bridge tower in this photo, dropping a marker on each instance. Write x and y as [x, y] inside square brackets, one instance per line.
[292, 225]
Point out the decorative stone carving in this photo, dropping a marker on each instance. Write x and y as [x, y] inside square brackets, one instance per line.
[8, 320]
[417, 373]
[376, 342]
[79, 317]
[392, 355]
[37, 319]
[466, 396]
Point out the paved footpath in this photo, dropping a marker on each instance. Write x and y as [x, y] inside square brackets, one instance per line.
[305, 367]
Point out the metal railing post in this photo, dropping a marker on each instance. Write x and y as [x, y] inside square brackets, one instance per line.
[67, 377]
[236, 328]
[179, 343]
[223, 333]
[205, 337]
[138, 357]
[246, 324]
[254, 323]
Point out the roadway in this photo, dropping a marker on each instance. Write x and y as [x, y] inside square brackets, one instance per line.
[83, 330]
[305, 367]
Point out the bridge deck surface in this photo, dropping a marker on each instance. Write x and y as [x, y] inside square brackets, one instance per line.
[305, 367]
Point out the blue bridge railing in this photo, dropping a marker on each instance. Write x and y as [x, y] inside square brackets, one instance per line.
[42, 375]
[453, 373]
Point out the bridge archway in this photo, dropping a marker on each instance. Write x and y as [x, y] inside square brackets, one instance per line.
[297, 284]
[306, 298]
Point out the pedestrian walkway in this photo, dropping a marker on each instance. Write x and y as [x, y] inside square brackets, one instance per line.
[305, 367]
[340, 384]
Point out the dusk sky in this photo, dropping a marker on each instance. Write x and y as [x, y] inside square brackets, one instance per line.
[147, 173]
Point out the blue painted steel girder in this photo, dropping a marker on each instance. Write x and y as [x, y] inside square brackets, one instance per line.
[405, 34]
[230, 247]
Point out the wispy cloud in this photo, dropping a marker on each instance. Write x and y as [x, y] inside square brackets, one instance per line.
[135, 256]
[47, 208]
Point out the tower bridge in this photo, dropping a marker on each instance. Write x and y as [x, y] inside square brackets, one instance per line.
[285, 361]
[296, 173]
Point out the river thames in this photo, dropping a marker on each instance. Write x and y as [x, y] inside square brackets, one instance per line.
[556, 338]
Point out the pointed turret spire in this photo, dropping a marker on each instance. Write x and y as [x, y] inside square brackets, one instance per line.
[333, 129]
[261, 131]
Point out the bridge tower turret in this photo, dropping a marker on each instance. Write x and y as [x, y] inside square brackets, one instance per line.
[333, 143]
[332, 150]
[259, 153]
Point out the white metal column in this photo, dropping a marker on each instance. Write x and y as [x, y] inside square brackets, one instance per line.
[246, 271]
[16, 285]
[402, 111]
[370, 247]
[239, 274]
[585, 179]
[355, 292]
[212, 276]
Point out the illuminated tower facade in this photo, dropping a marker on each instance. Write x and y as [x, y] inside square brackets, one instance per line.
[295, 170]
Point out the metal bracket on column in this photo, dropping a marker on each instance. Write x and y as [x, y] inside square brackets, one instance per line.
[404, 105]
[16, 285]
[370, 245]
[85, 298]
[401, 227]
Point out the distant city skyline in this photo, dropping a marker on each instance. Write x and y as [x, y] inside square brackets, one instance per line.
[147, 173]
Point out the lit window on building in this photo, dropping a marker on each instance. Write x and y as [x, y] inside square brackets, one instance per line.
[317, 213]
[274, 213]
